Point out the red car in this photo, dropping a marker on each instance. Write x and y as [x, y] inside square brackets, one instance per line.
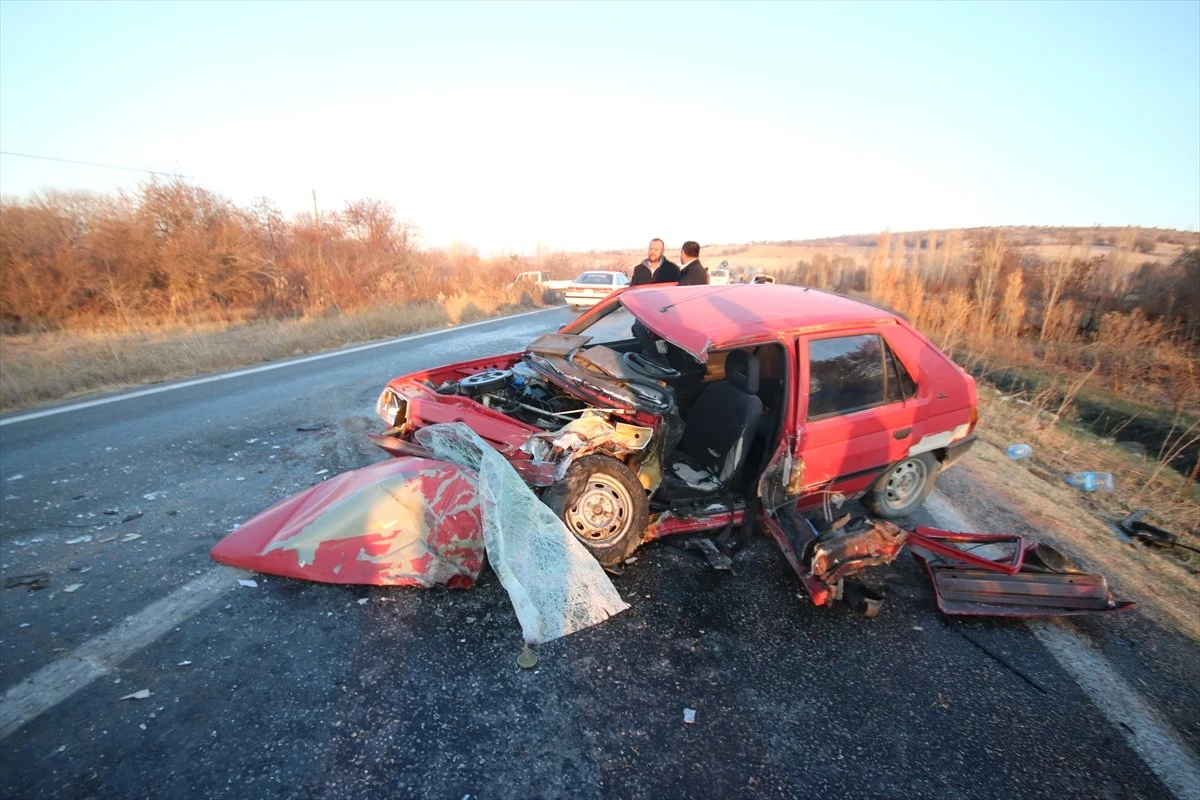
[672, 409]
[666, 410]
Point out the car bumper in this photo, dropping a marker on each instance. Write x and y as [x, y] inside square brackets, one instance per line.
[585, 300]
[957, 450]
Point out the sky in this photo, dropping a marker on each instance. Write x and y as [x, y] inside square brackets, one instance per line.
[513, 126]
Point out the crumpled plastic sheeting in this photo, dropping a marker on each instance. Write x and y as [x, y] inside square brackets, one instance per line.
[555, 584]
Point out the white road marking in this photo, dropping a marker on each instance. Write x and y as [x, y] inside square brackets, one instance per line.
[1147, 733]
[251, 370]
[1150, 737]
[97, 657]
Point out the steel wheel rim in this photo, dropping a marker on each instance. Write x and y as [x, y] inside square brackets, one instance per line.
[905, 482]
[601, 514]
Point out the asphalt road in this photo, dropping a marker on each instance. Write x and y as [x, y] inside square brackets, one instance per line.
[290, 689]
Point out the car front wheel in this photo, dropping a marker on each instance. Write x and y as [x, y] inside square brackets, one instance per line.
[902, 489]
[604, 505]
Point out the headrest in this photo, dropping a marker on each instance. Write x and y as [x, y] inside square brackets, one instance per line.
[741, 369]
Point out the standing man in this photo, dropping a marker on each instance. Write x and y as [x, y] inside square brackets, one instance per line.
[693, 272]
[649, 270]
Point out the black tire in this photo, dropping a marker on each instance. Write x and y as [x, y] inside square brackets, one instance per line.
[902, 489]
[604, 505]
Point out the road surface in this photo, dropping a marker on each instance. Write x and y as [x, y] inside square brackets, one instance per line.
[290, 689]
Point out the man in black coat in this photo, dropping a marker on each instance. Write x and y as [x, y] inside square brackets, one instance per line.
[693, 272]
[654, 267]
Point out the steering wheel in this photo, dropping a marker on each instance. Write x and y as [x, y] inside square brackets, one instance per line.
[651, 369]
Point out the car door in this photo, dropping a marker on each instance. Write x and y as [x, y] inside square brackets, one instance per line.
[855, 412]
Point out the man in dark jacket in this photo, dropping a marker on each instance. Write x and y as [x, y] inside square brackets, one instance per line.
[649, 270]
[693, 272]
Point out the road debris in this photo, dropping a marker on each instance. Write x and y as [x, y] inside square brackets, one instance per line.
[134, 516]
[689, 716]
[313, 426]
[79, 539]
[74, 587]
[1151, 534]
[35, 581]
[527, 658]
[184, 664]
[131, 537]
[247, 583]
[141, 694]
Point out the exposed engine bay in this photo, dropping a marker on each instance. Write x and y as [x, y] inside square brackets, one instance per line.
[520, 393]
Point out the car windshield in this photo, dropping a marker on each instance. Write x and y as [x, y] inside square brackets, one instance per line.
[615, 326]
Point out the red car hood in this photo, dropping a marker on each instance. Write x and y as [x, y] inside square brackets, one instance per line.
[402, 522]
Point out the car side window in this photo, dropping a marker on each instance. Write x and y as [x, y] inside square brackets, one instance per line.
[850, 373]
[900, 385]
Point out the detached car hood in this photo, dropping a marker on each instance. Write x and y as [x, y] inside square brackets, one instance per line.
[402, 522]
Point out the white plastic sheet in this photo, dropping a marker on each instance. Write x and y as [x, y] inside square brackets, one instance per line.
[555, 584]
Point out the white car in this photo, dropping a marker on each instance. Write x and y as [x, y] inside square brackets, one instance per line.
[593, 286]
[718, 277]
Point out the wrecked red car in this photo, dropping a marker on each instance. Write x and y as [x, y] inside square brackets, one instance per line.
[671, 410]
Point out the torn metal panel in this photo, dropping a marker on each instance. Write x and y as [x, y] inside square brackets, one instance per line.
[1033, 580]
[593, 430]
[849, 551]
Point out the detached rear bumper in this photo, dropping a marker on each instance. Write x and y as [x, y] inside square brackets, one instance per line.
[957, 450]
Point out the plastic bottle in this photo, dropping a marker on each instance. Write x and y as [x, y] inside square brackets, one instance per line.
[1090, 481]
[1018, 451]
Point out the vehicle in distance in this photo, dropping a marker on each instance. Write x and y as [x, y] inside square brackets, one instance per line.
[593, 286]
[719, 277]
[674, 409]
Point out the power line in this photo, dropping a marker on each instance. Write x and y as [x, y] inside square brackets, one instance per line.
[95, 164]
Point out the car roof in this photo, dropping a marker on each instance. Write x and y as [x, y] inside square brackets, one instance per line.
[703, 318]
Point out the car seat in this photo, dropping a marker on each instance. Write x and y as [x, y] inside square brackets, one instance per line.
[720, 428]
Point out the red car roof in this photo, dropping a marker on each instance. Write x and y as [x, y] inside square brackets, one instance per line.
[703, 318]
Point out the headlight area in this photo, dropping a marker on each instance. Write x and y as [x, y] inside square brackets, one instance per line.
[391, 407]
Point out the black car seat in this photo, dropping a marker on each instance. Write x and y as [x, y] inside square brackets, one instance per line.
[720, 428]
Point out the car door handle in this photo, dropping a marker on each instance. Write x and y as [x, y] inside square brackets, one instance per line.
[902, 433]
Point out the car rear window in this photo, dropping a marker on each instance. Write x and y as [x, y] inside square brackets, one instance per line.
[850, 373]
[595, 277]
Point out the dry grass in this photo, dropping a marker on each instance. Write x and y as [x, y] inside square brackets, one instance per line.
[1031, 498]
[1173, 500]
[45, 367]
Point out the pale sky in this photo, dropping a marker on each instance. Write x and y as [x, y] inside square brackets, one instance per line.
[580, 125]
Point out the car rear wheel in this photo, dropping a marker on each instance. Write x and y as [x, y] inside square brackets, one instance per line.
[604, 505]
[902, 489]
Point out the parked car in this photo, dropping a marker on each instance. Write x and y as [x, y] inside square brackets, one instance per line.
[673, 409]
[719, 277]
[591, 287]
